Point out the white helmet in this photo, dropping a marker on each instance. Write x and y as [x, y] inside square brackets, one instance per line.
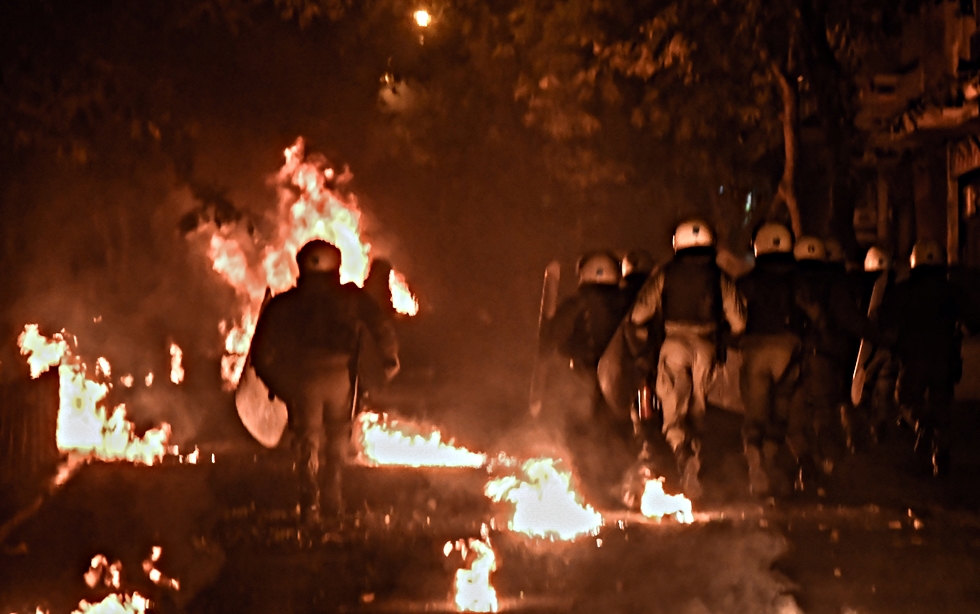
[835, 253]
[598, 268]
[926, 253]
[810, 248]
[772, 238]
[876, 260]
[693, 233]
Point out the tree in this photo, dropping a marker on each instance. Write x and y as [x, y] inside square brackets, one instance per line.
[721, 84]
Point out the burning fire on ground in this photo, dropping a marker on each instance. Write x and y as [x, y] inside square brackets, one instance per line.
[545, 504]
[382, 441]
[472, 587]
[311, 206]
[85, 426]
[655, 503]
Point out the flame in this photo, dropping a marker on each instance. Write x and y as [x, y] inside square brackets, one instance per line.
[115, 604]
[384, 441]
[154, 574]
[545, 503]
[148, 380]
[309, 208]
[176, 369]
[474, 593]
[84, 425]
[42, 353]
[402, 298]
[655, 503]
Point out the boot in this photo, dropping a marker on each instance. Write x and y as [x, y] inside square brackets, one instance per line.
[758, 479]
[780, 484]
[689, 466]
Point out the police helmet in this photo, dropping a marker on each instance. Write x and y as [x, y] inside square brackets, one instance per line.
[926, 253]
[809, 248]
[772, 238]
[599, 267]
[637, 261]
[318, 256]
[693, 233]
[835, 253]
[876, 260]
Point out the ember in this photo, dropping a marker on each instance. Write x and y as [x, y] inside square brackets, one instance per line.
[310, 207]
[474, 593]
[545, 504]
[385, 441]
[656, 503]
[84, 425]
[176, 368]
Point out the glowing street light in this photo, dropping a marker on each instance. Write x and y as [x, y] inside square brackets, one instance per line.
[422, 18]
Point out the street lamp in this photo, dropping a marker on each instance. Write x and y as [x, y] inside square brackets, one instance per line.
[422, 18]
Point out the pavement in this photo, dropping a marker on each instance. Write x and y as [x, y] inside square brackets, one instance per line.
[883, 536]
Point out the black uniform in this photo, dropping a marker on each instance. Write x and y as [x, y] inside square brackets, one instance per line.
[303, 349]
[580, 331]
[829, 344]
[924, 312]
[778, 310]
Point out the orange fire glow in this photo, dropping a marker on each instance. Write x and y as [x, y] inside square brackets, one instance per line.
[115, 604]
[473, 591]
[655, 503]
[311, 206]
[402, 298]
[545, 504]
[382, 440]
[176, 366]
[85, 426]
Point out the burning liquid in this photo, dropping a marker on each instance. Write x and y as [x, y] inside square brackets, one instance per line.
[655, 503]
[384, 441]
[545, 504]
[474, 593]
[85, 426]
[310, 207]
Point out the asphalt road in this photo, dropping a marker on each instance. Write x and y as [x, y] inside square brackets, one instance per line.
[884, 536]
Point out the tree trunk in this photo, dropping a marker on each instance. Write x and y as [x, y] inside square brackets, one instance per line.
[790, 118]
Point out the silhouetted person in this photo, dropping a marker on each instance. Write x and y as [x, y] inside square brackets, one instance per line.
[304, 345]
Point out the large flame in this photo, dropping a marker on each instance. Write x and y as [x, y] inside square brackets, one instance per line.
[309, 208]
[545, 504]
[385, 441]
[115, 604]
[655, 503]
[85, 426]
[473, 591]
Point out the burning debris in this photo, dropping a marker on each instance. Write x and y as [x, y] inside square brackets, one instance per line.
[154, 574]
[655, 503]
[473, 590]
[85, 427]
[103, 574]
[311, 206]
[545, 504]
[382, 440]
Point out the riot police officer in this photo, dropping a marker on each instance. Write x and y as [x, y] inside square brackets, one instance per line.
[924, 312]
[304, 349]
[700, 308]
[776, 309]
